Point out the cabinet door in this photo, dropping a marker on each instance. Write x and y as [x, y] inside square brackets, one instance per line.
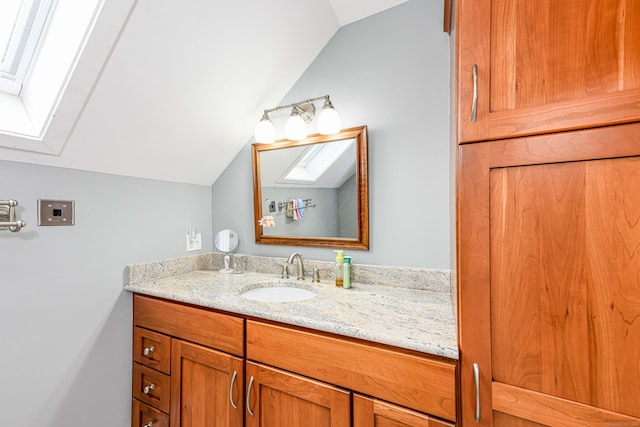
[368, 412]
[546, 65]
[277, 398]
[206, 387]
[549, 279]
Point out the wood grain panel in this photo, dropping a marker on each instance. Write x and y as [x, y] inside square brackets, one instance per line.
[158, 348]
[282, 399]
[536, 74]
[537, 286]
[553, 412]
[370, 412]
[613, 277]
[565, 262]
[608, 142]
[206, 327]
[201, 384]
[474, 337]
[501, 419]
[537, 59]
[421, 383]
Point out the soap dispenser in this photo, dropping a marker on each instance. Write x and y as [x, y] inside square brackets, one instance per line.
[346, 274]
[339, 267]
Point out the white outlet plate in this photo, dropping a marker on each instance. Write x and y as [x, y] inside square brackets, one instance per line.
[195, 244]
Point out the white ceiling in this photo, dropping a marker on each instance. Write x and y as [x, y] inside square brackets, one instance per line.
[187, 81]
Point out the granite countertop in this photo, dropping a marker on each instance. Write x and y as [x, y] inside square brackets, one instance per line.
[414, 319]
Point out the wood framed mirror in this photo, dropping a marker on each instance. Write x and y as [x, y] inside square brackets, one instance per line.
[315, 191]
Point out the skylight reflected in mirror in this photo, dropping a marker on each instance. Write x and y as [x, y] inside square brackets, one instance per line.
[317, 159]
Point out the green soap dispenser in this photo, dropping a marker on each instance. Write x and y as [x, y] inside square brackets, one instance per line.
[346, 273]
[339, 267]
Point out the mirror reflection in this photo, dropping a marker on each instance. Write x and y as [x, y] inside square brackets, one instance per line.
[312, 192]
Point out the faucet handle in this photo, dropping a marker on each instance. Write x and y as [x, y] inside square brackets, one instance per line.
[316, 275]
[285, 271]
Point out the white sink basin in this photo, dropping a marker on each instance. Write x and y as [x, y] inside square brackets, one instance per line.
[278, 294]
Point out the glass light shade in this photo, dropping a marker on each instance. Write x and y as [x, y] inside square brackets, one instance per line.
[329, 121]
[265, 131]
[296, 128]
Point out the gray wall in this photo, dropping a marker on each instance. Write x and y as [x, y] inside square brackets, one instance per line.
[312, 223]
[390, 72]
[65, 323]
[348, 208]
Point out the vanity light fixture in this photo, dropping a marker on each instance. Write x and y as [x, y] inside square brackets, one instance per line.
[296, 127]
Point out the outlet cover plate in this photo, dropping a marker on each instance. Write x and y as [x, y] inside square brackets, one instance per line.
[194, 244]
[56, 212]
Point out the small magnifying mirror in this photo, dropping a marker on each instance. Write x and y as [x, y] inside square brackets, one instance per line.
[226, 241]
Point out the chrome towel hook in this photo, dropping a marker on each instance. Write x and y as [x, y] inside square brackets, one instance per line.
[8, 216]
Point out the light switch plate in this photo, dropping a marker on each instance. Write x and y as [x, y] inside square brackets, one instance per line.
[56, 212]
[194, 244]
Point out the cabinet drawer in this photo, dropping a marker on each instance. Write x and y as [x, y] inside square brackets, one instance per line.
[143, 415]
[216, 330]
[152, 349]
[426, 384]
[151, 387]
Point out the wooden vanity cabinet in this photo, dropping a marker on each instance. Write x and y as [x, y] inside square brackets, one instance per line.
[289, 377]
[188, 366]
[548, 275]
[544, 66]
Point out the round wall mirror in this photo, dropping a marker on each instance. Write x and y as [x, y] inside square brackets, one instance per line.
[226, 240]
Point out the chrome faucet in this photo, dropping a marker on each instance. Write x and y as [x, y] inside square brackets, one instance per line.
[292, 257]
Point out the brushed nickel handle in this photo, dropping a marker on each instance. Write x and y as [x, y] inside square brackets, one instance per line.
[147, 351]
[231, 387]
[149, 424]
[476, 377]
[474, 107]
[249, 396]
[148, 389]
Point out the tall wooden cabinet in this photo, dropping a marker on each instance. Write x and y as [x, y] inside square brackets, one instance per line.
[531, 67]
[549, 279]
[548, 212]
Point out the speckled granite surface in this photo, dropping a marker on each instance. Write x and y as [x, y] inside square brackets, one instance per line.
[417, 316]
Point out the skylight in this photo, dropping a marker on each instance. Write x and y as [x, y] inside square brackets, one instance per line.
[22, 24]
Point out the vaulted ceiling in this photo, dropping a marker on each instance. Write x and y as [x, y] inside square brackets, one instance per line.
[186, 81]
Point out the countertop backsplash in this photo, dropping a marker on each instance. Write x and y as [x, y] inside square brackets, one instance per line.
[405, 277]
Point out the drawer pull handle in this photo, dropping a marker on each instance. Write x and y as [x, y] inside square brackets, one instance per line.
[149, 424]
[476, 377]
[231, 387]
[474, 107]
[249, 396]
[147, 351]
[148, 389]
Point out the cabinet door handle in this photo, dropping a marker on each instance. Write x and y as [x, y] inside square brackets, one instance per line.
[148, 389]
[147, 351]
[476, 378]
[249, 396]
[231, 387]
[474, 107]
[149, 424]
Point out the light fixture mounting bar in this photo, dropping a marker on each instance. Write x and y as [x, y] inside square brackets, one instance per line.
[294, 104]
